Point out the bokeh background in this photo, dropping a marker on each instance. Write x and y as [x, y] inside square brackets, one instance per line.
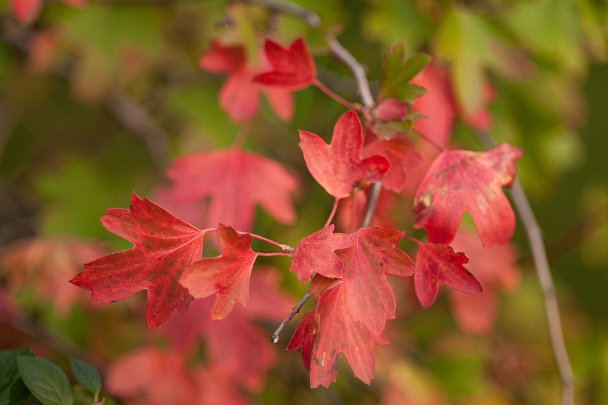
[97, 99]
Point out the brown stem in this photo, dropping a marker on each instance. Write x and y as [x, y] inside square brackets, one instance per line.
[308, 16]
[356, 68]
[275, 336]
[543, 272]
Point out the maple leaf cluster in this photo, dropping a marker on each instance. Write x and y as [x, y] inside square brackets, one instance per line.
[353, 299]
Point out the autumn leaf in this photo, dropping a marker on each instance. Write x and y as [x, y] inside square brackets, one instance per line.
[149, 374]
[461, 180]
[234, 181]
[239, 96]
[400, 154]
[496, 268]
[293, 67]
[338, 167]
[369, 258]
[316, 253]
[330, 330]
[236, 340]
[227, 275]
[164, 247]
[438, 262]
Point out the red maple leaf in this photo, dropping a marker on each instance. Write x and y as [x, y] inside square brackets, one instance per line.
[351, 211]
[338, 167]
[369, 258]
[328, 331]
[164, 247]
[227, 275]
[234, 181]
[496, 268]
[239, 96]
[438, 262]
[316, 253]
[400, 154]
[461, 180]
[293, 67]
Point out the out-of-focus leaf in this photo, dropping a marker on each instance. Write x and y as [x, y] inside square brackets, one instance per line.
[86, 375]
[46, 381]
[12, 388]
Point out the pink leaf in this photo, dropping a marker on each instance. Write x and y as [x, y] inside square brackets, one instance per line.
[234, 181]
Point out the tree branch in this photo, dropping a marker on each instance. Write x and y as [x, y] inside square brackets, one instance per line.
[543, 272]
[275, 336]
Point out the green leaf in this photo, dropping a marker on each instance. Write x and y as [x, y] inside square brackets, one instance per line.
[12, 389]
[45, 380]
[86, 376]
[397, 71]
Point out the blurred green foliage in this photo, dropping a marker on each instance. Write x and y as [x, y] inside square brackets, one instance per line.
[70, 148]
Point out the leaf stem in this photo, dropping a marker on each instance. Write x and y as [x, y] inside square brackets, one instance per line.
[241, 135]
[372, 202]
[430, 141]
[332, 214]
[275, 336]
[335, 96]
[543, 273]
[284, 248]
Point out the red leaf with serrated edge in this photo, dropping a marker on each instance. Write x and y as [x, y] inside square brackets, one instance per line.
[293, 67]
[370, 257]
[235, 181]
[164, 247]
[227, 275]
[26, 10]
[401, 156]
[338, 167]
[461, 180]
[239, 96]
[315, 253]
[438, 262]
[334, 332]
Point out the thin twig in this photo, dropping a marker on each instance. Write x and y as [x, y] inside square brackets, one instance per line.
[543, 272]
[308, 16]
[275, 336]
[355, 67]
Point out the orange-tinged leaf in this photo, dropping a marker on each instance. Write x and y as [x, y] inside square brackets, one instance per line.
[461, 180]
[316, 253]
[164, 247]
[369, 258]
[438, 262]
[293, 67]
[339, 167]
[227, 275]
[334, 332]
[234, 181]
